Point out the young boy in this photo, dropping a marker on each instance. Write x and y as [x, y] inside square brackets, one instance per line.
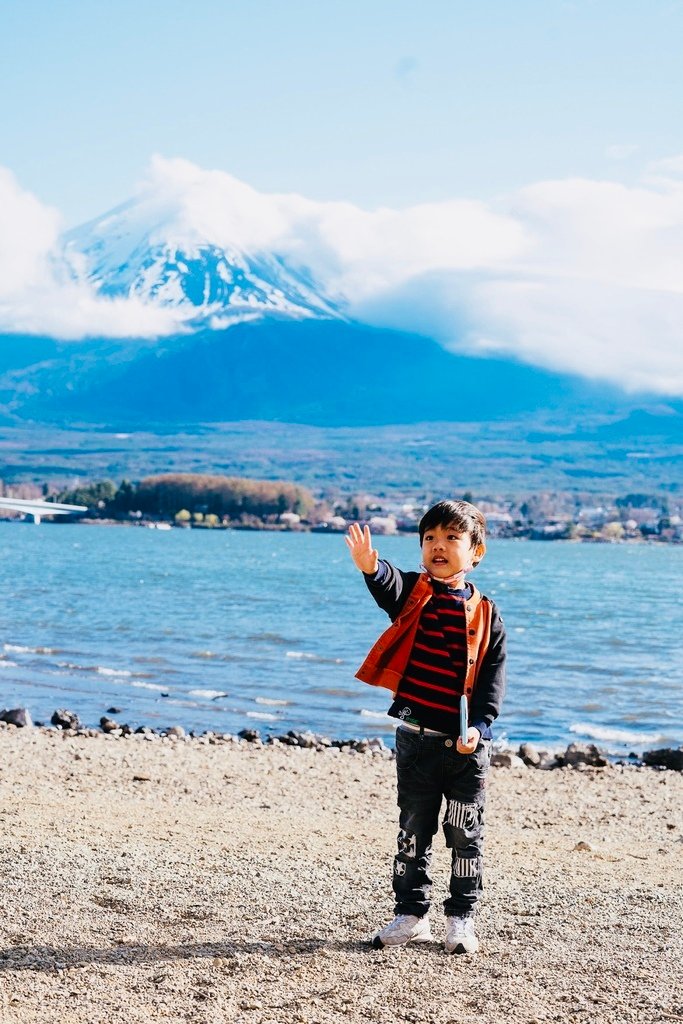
[446, 640]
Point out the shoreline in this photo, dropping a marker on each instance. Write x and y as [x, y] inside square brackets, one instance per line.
[167, 524]
[579, 756]
[212, 884]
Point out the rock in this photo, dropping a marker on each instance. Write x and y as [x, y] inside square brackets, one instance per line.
[548, 761]
[114, 711]
[667, 757]
[506, 759]
[108, 724]
[583, 753]
[142, 778]
[175, 730]
[583, 847]
[20, 717]
[529, 755]
[250, 735]
[64, 719]
[376, 744]
[146, 730]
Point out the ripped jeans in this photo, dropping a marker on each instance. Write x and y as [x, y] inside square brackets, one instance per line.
[430, 768]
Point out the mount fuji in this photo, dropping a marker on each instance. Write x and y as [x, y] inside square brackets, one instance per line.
[158, 255]
[250, 331]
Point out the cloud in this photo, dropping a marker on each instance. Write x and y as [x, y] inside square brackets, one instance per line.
[38, 292]
[595, 288]
[574, 274]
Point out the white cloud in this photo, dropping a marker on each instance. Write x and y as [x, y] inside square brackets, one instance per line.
[575, 274]
[596, 288]
[38, 294]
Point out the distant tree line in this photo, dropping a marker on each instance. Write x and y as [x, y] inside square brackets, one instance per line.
[164, 496]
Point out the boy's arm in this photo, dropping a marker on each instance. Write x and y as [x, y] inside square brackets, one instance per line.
[490, 688]
[389, 586]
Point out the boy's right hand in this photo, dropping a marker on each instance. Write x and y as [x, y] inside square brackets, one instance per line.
[359, 543]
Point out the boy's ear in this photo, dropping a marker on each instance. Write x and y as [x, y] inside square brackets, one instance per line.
[479, 552]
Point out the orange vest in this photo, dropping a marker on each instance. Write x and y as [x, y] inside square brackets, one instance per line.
[388, 658]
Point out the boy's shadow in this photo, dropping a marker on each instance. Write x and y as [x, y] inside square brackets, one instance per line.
[50, 958]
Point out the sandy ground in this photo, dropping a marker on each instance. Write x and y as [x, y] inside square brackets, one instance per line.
[232, 883]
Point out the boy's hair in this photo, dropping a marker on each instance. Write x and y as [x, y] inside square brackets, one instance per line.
[463, 516]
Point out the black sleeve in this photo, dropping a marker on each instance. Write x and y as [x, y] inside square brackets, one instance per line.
[489, 691]
[390, 587]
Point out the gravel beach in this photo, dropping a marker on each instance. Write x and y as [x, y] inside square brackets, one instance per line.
[187, 880]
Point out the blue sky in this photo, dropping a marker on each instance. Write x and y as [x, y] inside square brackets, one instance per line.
[376, 102]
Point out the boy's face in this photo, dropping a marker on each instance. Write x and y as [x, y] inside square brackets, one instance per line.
[446, 551]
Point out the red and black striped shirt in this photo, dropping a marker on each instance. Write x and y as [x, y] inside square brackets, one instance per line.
[434, 678]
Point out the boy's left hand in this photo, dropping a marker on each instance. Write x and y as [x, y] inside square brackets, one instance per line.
[473, 737]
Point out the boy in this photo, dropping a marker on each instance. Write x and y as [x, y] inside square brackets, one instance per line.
[446, 639]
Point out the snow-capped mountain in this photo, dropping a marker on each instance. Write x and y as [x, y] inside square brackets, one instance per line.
[149, 251]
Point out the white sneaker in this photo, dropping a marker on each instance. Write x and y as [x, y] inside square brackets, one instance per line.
[404, 928]
[460, 937]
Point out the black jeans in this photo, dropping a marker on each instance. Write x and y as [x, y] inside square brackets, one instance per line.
[430, 768]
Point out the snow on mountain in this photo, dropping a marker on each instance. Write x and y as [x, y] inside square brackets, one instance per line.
[153, 249]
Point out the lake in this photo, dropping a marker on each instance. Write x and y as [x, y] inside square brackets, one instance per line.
[230, 629]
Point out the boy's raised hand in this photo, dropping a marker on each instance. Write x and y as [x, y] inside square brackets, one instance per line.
[359, 543]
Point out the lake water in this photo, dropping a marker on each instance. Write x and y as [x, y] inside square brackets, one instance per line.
[229, 629]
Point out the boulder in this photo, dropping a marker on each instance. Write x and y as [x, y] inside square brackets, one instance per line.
[667, 757]
[20, 717]
[250, 735]
[529, 755]
[108, 724]
[506, 759]
[583, 753]
[64, 719]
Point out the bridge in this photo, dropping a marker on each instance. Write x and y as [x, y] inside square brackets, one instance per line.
[34, 510]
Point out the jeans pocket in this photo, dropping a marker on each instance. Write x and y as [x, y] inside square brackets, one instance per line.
[407, 749]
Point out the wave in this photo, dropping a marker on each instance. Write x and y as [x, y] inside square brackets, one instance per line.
[271, 700]
[209, 694]
[149, 686]
[609, 734]
[262, 716]
[112, 671]
[5, 663]
[20, 649]
[215, 656]
[380, 716]
[270, 638]
[306, 656]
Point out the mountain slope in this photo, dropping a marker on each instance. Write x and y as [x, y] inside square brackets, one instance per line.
[318, 372]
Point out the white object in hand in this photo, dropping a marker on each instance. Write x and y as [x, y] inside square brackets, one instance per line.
[463, 719]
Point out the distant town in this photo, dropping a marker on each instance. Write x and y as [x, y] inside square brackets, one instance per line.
[204, 501]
